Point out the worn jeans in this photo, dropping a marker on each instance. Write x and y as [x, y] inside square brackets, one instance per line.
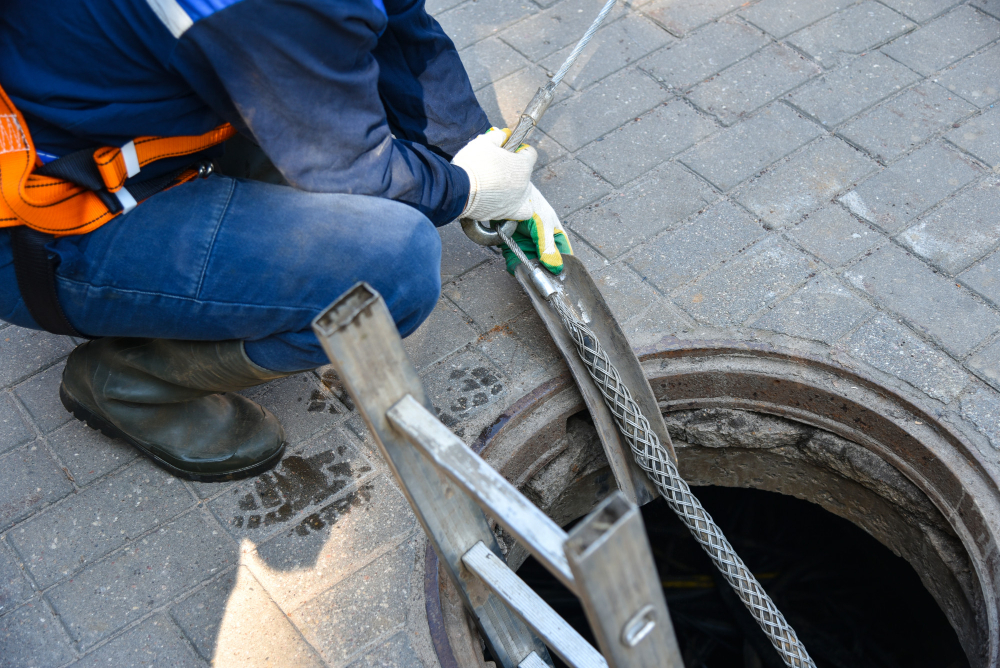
[223, 258]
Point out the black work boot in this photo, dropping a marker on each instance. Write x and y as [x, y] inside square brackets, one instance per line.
[167, 398]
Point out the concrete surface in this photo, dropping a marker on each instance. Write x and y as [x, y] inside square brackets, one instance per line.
[829, 170]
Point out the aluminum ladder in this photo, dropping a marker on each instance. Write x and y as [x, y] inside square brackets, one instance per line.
[606, 560]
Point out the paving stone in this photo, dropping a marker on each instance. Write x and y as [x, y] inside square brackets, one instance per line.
[907, 188]
[366, 606]
[738, 289]
[488, 295]
[980, 136]
[444, 332]
[40, 395]
[435, 7]
[523, 350]
[31, 480]
[750, 84]
[977, 78]
[613, 47]
[703, 53]
[394, 653]
[98, 520]
[14, 585]
[147, 574]
[463, 386]
[477, 19]
[329, 467]
[984, 278]
[32, 636]
[155, 642]
[505, 99]
[233, 622]
[783, 17]
[835, 236]
[991, 7]
[663, 318]
[896, 126]
[569, 185]
[626, 293]
[490, 60]
[822, 310]
[24, 351]
[897, 351]
[944, 40]
[548, 31]
[13, 430]
[676, 257]
[683, 17]
[851, 31]
[921, 10]
[986, 364]
[459, 254]
[591, 259]
[87, 453]
[656, 203]
[340, 538]
[600, 109]
[954, 247]
[981, 406]
[637, 147]
[804, 182]
[933, 304]
[741, 151]
[840, 94]
[302, 403]
[200, 615]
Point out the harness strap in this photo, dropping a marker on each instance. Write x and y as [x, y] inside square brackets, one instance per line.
[36, 279]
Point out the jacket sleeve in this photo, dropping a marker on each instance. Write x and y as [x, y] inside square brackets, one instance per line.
[424, 86]
[302, 78]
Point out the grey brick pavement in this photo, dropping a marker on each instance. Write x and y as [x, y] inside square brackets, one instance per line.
[822, 169]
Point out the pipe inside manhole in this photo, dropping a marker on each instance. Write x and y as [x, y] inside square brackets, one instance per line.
[789, 422]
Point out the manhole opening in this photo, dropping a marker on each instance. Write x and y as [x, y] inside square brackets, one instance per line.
[851, 600]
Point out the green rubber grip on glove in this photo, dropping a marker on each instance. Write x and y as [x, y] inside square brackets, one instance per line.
[526, 237]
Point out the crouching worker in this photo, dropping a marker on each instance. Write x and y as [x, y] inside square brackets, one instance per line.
[191, 285]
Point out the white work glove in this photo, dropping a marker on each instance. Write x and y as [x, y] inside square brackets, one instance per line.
[499, 180]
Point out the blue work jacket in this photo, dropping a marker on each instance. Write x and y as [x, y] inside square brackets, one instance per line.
[345, 96]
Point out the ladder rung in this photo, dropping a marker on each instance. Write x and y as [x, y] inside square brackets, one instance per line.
[560, 637]
[535, 530]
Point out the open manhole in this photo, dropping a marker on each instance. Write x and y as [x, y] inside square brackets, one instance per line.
[871, 523]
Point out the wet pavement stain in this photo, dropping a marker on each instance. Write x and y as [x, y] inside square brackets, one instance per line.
[467, 391]
[298, 482]
[332, 513]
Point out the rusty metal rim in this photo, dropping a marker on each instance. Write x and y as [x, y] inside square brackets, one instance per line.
[805, 376]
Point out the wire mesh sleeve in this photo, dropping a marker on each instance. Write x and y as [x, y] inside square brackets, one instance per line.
[654, 459]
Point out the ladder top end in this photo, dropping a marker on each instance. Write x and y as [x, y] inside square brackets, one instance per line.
[342, 312]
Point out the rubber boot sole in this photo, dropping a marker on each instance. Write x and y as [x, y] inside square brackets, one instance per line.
[94, 421]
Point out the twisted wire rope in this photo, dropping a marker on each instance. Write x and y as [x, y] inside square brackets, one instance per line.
[654, 459]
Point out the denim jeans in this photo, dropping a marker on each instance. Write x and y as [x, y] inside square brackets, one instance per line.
[223, 258]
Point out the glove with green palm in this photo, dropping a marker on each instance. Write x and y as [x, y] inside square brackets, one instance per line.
[541, 237]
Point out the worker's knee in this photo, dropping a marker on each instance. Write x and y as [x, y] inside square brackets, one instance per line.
[414, 271]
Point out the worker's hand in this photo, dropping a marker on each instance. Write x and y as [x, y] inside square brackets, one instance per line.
[498, 179]
[540, 237]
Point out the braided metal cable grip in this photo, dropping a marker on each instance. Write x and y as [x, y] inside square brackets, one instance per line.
[654, 459]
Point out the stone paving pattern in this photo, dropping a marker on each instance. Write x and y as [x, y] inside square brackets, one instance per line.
[827, 170]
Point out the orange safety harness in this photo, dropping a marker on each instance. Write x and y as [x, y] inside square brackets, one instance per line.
[74, 194]
[34, 195]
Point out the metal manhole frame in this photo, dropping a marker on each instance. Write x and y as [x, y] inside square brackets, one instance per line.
[801, 381]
